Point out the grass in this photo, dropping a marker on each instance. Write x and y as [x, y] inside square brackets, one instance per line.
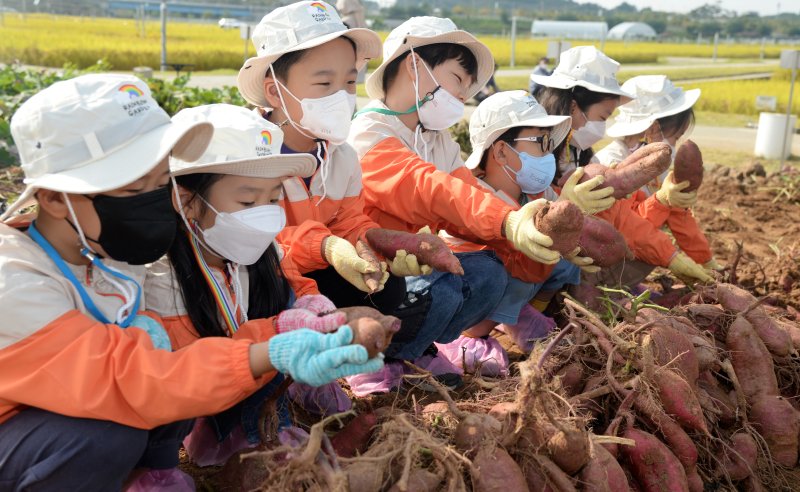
[47, 40]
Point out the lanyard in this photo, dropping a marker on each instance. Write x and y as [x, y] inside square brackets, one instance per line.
[391, 112]
[230, 314]
[87, 300]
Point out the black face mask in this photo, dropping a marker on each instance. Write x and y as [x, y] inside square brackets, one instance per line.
[136, 229]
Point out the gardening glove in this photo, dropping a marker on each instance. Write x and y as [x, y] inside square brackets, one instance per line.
[584, 195]
[406, 265]
[316, 303]
[583, 262]
[297, 318]
[522, 233]
[670, 194]
[687, 270]
[345, 260]
[317, 359]
[712, 265]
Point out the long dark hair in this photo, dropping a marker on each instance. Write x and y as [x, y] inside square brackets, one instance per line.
[434, 55]
[268, 289]
[559, 102]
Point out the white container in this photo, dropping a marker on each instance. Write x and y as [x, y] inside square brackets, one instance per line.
[771, 128]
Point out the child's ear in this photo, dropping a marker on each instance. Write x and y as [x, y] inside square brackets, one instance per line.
[500, 152]
[188, 203]
[271, 92]
[408, 63]
[52, 203]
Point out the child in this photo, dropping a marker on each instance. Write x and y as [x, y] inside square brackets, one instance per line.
[661, 112]
[89, 389]
[512, 140]
[428, 70]
[584, 86]
[304, 80]
[229, 217]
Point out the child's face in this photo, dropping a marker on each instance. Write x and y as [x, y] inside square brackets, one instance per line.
[531, 148]
[600, 111]
[322, 71]
[450, 75]
[158, 177]
[234, 193]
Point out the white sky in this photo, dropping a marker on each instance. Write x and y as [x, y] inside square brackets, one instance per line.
[764, 7]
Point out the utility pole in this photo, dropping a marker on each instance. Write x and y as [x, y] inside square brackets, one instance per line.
[163, 35]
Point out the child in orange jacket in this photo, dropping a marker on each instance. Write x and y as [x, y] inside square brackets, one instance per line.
[89, 386]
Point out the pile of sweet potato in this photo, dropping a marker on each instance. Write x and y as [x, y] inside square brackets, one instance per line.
[703, 397]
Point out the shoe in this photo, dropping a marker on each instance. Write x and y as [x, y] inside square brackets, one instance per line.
[322, 401]
[442, 369]
[483, 355]
[389, 378]
[531, 326]
[203, 448]
[171, 480]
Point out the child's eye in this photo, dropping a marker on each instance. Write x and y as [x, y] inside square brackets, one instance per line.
[247, 204]
[274, 201]
[458, 77]
[325, 84]
[134, 191]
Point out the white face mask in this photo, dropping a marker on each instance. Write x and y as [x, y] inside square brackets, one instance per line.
[442, 110]
[243, 236]
[589, 134]
[327, 118]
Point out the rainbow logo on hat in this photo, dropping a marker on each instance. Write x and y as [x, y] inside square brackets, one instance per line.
[266, 137]
[319, 6]
[131, 90]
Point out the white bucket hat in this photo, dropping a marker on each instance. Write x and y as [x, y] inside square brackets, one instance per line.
[97, 133]
[510, 109]
[244, 144]
[422, 31]
[587, 67]
[656, 97]
[297, 27]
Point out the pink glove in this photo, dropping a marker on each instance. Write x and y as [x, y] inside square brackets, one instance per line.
[296, 318]
[316, 303]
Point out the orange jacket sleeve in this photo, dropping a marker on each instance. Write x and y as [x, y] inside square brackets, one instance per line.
[688, 235]
[651, 209]
[78, 367]
[648, 243]
[303, 245]
[351, 222]
[399, 183]
[300, 285]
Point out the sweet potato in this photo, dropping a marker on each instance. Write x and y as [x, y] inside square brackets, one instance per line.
[371, 334]
[653, 464]
[739, 461]
[542, 475]
[601, 242]
[569, 449]
[354, 437]
[679, 399]
[635, 171]
[419, 480]
[429, 249]
[562, 221]
[689, 165]
[572, 379]
[603, 473]
[720, 402]
[775, 419]
[364, 476]
[793, 330]
[751, 360]
[669, 346]
[471, 431]
[738, 300]
[373, 280]
[497, 471]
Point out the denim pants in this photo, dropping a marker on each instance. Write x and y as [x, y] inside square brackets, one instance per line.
[43, 451]
[518, 293]
[451, 303]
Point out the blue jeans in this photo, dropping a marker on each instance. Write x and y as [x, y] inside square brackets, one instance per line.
[518, 293]
[453, 303]
[41, 450]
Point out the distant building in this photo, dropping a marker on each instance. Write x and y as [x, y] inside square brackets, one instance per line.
[569, 29]
[631, 30]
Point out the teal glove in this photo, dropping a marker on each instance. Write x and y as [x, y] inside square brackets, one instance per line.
[158, 335]
[317, 359]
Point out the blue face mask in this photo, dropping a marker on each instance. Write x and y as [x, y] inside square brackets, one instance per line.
[536, 173]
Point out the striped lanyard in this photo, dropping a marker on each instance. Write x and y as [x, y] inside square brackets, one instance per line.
[232, 313]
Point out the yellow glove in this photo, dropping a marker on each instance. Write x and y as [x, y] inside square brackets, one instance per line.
[583, 262]
[406, 265]
[584, 195]
[712, 265]
[687, 270]
[345, 260]
[521, 232]
[670, 194]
